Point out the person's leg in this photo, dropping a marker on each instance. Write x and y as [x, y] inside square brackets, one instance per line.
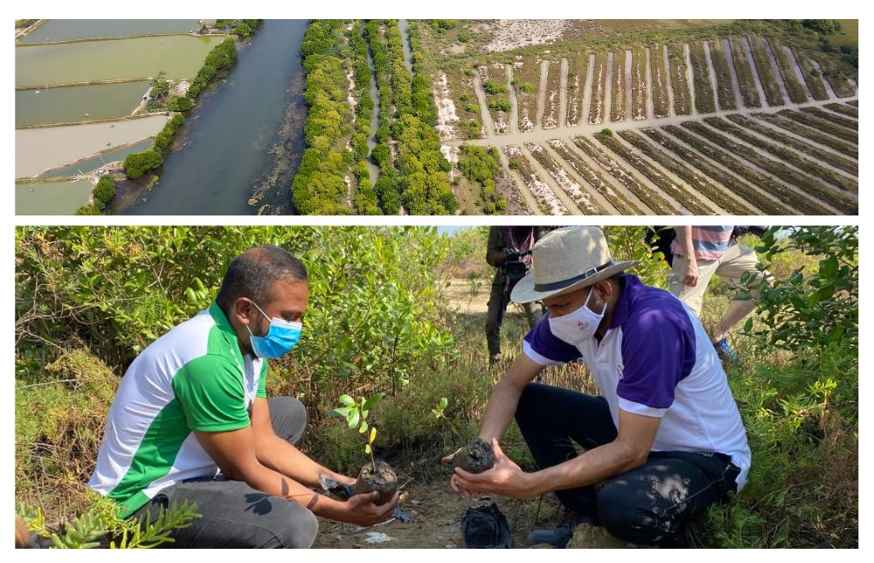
[234, 515]
[693, 296]
[652, 504]
[289, 418]
[739, 261]
[551, 419]
[495, 315]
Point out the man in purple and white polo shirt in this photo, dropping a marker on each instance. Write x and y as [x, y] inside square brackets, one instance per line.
[663, 440]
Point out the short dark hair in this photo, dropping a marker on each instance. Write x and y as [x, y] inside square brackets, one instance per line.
[253, 273]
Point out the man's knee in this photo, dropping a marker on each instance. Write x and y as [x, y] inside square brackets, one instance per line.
[289, 417]
[296, 527]
[530, 402]
[628, 517]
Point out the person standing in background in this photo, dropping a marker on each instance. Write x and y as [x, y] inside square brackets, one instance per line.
[508, 251]
[698, 254]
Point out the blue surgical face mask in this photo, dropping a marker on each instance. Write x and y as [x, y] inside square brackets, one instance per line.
[281, 338]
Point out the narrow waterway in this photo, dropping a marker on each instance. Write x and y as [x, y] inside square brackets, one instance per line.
[405, 41]
[240, 147]
[374, 119]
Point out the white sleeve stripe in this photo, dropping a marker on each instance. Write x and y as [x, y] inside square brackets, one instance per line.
[535, 357]
[637, 408]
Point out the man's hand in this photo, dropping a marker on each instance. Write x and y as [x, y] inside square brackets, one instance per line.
[363, 510]
[690, 279]
[505, 478]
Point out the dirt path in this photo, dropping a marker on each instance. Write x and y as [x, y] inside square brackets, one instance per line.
[711, 74]
[753, 166]
[529, 198]
[562, 93]
[607, 101]
[775, 70]
[629, 91]
[485, 115]
[757, 80]
[540, 136]
[828, 87]
[671, 111]
[544, 176]
[599, 199]
[541, 95]
[650, 106]
[679, 181]
[613, 184]
[690, 79]
[796, 68]
[514, 103]
[735, 83]
[587, 91]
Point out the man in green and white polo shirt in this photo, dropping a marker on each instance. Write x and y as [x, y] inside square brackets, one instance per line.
[191, 421]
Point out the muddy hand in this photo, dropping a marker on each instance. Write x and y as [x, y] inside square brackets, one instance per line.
[364, 511]
[506, 478]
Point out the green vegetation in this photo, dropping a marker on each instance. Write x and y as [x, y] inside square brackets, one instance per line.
[243, 29]
[89, 299]
[218, 61]
[103, 192]
[137, 164]
[798, 393]
[319, 185]
[482, 166]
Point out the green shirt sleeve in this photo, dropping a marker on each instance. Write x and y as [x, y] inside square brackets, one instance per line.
[262, 381]
[210, 392]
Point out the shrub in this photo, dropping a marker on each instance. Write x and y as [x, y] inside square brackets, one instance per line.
[180, 103]
[139, 163]
[103, 192]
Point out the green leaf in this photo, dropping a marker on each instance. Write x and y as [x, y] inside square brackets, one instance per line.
[347, 400]
[372, 435]
[363, 428]
[341, 412]
[353, 418]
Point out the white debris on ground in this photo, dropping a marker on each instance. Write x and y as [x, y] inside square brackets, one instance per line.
[446, 115]
[512, 34]
[376, 537]
[540, 190]
[572, 188]
[182, 87]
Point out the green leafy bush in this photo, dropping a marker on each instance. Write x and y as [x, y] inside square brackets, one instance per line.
[139, 163]
[103, 192]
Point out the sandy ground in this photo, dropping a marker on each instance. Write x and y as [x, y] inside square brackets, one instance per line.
[512, 34]
[38, 150]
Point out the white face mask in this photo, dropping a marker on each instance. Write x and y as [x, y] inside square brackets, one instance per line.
[577, 326]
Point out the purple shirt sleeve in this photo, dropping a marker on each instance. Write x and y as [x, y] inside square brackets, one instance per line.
[544, 347]
[658, 351]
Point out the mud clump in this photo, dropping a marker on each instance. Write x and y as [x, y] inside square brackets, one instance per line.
[476, 457]
[382, 478]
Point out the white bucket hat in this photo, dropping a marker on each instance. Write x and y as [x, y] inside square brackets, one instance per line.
[567, 259]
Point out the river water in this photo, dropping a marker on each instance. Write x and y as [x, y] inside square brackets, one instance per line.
[244, 141]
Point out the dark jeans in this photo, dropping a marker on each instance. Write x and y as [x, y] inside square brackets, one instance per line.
[233, 514]
[499, 298]
[649, 505]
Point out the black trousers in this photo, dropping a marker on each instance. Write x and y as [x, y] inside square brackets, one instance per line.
[649, 505]
[499, 298]
[233, 514]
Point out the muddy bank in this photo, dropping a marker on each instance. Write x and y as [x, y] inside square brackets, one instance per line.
[240, 147]
[38, 150]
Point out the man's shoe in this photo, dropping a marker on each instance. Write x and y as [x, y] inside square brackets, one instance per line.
[725, 351]
[562, 534]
